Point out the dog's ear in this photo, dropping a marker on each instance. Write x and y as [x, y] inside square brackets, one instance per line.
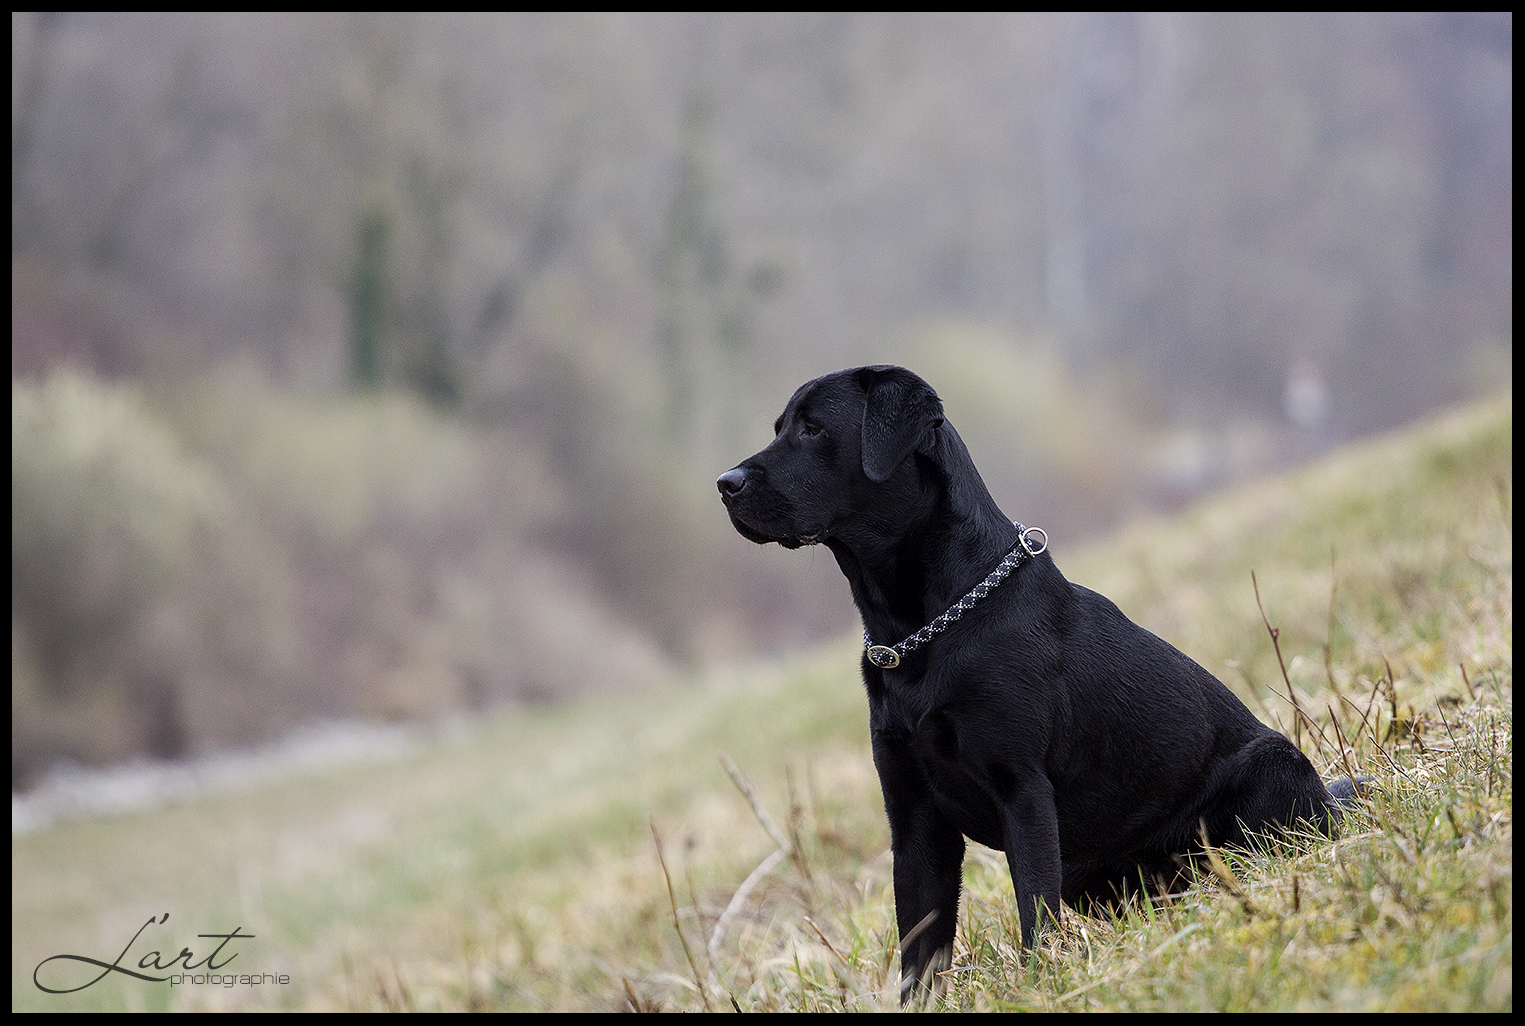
[900, 416]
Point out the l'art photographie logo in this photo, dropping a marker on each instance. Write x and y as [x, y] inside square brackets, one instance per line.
[60, 974]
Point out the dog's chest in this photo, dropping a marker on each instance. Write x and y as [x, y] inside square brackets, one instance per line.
[950, 757]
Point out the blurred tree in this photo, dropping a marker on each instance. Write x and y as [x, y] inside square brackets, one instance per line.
[372, 137]
[613, 238]
[31, 69]
[431, 363]
[707, 299]
[368, 295]
[690, 266]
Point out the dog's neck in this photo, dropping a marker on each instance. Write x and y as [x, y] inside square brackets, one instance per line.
[903, 581]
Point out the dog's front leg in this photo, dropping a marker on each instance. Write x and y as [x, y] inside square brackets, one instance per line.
[1032, 853]
[929, 864]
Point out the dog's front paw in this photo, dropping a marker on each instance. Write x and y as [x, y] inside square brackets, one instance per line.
[926, 981]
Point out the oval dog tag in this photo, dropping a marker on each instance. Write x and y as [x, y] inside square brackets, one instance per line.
[883, 656]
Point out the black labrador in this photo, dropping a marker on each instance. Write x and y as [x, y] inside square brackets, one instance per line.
[1020, 710]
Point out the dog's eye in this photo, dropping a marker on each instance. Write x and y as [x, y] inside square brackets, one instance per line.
[808, 430]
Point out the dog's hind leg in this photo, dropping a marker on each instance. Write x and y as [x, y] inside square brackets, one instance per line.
[1270, 786]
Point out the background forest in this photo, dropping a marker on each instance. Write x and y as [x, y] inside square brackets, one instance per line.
[380, 366]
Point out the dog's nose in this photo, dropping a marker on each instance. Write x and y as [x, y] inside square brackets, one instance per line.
[731, 482]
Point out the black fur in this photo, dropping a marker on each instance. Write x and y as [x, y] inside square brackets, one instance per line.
[1044, 723]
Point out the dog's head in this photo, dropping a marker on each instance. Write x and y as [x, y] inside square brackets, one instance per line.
[841, 454]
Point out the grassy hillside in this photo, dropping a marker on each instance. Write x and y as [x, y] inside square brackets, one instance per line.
[602, 854]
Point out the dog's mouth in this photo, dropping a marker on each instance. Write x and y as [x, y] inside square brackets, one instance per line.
[788, 541]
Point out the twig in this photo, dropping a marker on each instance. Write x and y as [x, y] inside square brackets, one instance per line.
[693, 893]
[1319, 737]
[1392, 697]
[738, 899]
[829, 946]
[745, 787]
[672, 898]
[1365, 712]
[916, 931]
[1329, 627]
[1224, 874]
[1275, 633]
[1344, 758]
[797, 848]
[1447, 724]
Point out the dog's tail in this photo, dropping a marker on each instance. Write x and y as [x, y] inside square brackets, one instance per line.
[1347, 793]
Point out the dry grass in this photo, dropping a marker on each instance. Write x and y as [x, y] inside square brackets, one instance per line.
[1394, 662]
[517, 866]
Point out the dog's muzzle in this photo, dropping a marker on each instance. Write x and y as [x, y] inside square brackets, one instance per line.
[734, 487]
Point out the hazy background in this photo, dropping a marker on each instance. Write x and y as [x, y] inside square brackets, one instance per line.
[380, 366]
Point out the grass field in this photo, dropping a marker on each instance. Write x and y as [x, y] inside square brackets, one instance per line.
[720, 843]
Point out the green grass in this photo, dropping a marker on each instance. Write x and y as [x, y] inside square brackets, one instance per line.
[515, 865]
